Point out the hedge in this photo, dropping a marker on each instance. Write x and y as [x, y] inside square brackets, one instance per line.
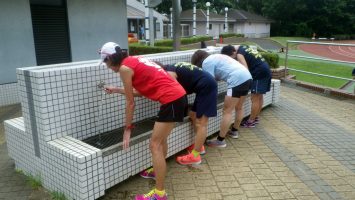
[227, 35]
[344, 37]
[188, 40]
[136, 49]
[271, 58]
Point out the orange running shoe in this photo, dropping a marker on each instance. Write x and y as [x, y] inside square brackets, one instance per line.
[202, 150]
[189, 159]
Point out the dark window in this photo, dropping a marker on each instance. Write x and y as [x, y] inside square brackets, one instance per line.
[157, 26]
[50, 31]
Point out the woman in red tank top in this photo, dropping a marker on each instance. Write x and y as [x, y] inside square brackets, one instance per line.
[142, 77]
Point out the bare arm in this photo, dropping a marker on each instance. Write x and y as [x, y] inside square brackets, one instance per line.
[126, 77]
[120, 90]
[172, 74]
[242, 60]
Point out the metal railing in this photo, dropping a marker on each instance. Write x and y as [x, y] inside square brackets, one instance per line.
[315, 58]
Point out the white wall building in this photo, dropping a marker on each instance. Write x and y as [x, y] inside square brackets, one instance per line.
[39, 32]
[136, 16]
[239, 21]
[216, 22]
[250, 24]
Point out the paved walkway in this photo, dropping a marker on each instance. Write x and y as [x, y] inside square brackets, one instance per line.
[266, 43]
[12, 185]
[303, 148]
[349, 87]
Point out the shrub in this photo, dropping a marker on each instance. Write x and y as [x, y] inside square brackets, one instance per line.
[196, 39]
[187, 40]
[136, 49]
[164, 43]
[227, 35]
[271, 58]
[342, 37]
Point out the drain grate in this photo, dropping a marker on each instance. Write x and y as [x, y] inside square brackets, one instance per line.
[113, 137]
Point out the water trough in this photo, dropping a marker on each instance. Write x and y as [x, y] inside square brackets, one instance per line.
[71, 133]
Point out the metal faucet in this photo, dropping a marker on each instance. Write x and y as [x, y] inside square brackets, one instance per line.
[101, 85]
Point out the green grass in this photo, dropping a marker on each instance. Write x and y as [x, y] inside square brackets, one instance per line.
[319, 67]
[34, 181]
[299, 53]
[323, 81]
[58, 196]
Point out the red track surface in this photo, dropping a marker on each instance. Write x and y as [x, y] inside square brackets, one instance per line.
[342, 53]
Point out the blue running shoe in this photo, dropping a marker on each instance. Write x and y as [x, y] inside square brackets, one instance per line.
[233, 134]
[216, 143]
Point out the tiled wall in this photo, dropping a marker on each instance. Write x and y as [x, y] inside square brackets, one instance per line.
[8, 94]
[77, 168]
[61, 106]
[20, 147]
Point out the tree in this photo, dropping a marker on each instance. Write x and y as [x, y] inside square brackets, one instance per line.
[303, 17]
[216, 5]
[291, 17]
[254, 6]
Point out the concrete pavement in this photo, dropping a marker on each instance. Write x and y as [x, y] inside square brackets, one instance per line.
[303, 148]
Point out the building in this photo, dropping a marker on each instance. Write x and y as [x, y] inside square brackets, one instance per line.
[250, 24]
[136, 16]
[216, 23]
[40, 32]
[239, 21]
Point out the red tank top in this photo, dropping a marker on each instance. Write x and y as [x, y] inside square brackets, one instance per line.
[152, 81]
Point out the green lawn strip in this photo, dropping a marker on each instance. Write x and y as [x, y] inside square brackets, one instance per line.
[322, 67]
[300, 53]
[318, 80]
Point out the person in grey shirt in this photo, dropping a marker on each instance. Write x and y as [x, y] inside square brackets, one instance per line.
[238, 79]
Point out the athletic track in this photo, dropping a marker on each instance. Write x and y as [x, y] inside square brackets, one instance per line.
[342, 53]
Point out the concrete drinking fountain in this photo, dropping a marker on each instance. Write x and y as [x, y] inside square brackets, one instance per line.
[71, 131]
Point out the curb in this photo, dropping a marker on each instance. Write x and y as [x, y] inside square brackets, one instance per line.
[320, 89]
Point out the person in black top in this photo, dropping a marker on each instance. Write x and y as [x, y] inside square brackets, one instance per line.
[261, 74]
[194, 80]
